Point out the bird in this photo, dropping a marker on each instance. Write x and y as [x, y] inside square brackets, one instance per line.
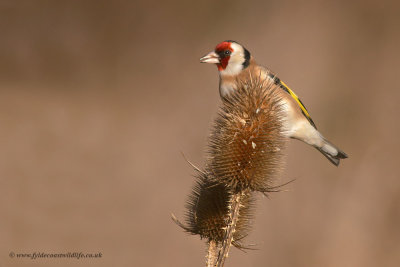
[235, 63]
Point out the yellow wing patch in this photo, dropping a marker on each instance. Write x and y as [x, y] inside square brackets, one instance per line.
[303, 108]
[301, 105]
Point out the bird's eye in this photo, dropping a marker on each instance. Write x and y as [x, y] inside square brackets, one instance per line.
[227, 52]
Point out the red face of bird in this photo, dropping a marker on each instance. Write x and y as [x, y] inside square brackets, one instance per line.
[230, 57]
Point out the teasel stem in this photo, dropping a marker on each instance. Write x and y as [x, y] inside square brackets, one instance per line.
[212, 253]
[234, 208]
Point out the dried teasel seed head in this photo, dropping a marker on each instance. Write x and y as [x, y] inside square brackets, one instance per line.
[246, 143]
[207, 211]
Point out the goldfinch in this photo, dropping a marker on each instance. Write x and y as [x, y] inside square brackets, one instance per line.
[235, 62]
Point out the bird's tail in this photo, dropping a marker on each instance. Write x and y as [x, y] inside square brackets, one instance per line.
[331, 152]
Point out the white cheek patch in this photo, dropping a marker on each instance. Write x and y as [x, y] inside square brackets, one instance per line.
[235, 63]
[232, 69]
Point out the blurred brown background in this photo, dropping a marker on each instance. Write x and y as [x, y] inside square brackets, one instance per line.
[99, 98]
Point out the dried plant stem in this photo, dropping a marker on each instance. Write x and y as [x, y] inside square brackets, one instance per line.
[212, 253]
[230, 228]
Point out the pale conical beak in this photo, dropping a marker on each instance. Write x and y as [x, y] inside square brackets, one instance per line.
[211, 57]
